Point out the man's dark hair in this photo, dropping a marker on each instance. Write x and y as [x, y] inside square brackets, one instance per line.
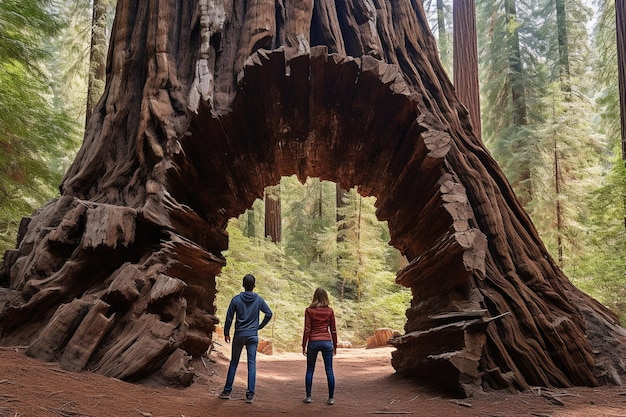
[248, 282]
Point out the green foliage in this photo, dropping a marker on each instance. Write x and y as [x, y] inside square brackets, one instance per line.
[362, 247]
[286, 277]
[563, 154]
[601, 268]
[441, 25]
[570, 152]
[70, 63]
[606, 72]
[36, 134]
[309, 221]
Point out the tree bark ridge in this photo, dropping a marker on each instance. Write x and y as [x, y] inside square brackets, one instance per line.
[183, 140]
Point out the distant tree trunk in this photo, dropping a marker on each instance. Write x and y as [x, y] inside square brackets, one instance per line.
[273, 218]
[339, 194]
[557, 204]
[565, 84]
[359, 251]
[97, 55]
[518, 96]
[466, 60]
[339, 217]
[564, 67]
[620, 17]
[251, 223]
[444, 44]
[320, 201]
[515, 66]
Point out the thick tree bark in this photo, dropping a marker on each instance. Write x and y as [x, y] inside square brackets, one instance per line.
[206, 105]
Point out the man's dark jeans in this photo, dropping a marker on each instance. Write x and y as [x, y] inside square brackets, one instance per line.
[251, 343]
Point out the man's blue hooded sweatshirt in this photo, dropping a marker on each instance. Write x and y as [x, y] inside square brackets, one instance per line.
[247, 305]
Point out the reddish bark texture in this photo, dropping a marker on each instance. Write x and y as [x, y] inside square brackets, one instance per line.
[465, 60]
[205, 105]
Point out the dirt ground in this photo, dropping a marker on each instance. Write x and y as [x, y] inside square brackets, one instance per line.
[366, 385]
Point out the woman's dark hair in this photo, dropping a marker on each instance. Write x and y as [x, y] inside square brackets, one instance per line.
[248, 282]
[320, 298]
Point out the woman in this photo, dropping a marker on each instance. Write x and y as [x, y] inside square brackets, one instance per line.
[320, 335]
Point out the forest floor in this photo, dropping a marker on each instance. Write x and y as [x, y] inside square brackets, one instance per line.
[366, 385]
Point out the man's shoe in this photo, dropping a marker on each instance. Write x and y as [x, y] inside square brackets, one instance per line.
[249, 398]
[225, 395]
[330, 401]
[307, 399]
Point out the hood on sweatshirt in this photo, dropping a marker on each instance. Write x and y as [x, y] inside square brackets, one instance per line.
[248, 296]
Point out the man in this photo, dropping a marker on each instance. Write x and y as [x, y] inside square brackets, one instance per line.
[245, 306]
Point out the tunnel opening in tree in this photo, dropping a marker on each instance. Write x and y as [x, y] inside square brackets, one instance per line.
[341, 247]
[197, 118]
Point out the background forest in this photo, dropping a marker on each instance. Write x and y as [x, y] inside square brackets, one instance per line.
[549, 102]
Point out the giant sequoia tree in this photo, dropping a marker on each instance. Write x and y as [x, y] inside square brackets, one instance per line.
[206, 103]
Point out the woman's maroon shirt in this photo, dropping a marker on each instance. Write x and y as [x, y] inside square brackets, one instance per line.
[319, 324]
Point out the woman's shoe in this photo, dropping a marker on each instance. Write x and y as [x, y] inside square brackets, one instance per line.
[330, 401]
[307, 399]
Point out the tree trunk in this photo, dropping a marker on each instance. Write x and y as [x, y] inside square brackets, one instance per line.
[251, 223]
[465, 53]
[339, 217]
[359, 243]
[207, 103]
[444, 44]
[564, 74]
[515, 66]
[515, 83]
[97, 55]
[339, 195]
[319, 202]
[561, 24]
[620, 17]
[558, 209]
[273, 225]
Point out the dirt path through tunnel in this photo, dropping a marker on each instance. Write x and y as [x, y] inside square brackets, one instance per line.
[366, 385]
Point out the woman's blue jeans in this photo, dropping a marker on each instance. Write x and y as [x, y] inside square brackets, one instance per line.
[326, 347]
[251, 343]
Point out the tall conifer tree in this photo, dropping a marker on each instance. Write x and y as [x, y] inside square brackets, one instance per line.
[34, 132]
[504, 92]
[465, 53]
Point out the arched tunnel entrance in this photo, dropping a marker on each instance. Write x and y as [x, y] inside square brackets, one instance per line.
[478, 276]
[356, 123]
[124, 284]
[329, 238]
[118, 274]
